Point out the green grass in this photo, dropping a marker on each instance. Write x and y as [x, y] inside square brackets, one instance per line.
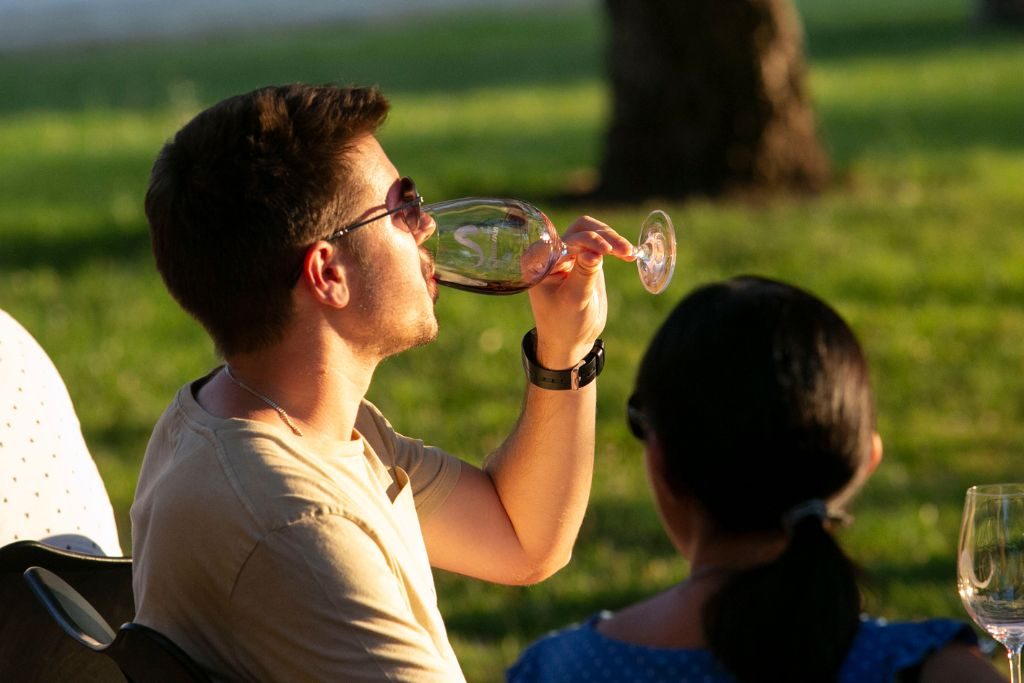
[918, 244]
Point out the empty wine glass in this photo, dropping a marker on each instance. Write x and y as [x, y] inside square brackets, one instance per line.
[503, 246]
[990, 565]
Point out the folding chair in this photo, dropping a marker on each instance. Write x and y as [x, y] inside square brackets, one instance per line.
[32, 646]
[142, 654]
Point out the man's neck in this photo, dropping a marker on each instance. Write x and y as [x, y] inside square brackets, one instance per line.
[316, 383]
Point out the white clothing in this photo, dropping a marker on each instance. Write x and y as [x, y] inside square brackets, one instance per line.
[50, 489]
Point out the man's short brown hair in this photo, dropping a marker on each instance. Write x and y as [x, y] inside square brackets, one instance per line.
[242, 190]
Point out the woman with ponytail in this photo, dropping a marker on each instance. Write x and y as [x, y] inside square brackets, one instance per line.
[754, 405]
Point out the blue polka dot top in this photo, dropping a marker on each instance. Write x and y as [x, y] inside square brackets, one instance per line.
[581, 653]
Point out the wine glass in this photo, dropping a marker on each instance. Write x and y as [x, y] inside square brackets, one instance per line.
[990, 566]
[503, 246]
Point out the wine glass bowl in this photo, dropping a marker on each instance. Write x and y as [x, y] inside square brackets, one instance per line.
[990, 564]
[491, 246]
[503, 246]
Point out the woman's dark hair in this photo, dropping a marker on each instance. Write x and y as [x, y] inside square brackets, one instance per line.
[759, 395]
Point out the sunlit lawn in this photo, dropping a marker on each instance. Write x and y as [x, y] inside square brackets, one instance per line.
[919, 244]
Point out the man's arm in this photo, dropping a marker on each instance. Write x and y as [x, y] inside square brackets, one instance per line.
[515, 521]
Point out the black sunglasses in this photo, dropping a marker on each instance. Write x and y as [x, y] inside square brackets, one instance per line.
[409, 211]
[639, 423]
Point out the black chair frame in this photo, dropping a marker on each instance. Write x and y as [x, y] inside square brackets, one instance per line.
[141, 653]
[32, 646]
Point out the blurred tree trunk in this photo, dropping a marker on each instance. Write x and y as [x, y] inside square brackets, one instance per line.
[1001, 11]
[708, 97]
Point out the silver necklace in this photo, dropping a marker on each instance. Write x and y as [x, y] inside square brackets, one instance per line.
[265, 399]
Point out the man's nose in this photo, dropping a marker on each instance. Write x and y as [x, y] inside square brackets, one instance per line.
[425, 229]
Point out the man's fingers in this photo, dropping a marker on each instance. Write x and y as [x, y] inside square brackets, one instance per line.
[590, 233]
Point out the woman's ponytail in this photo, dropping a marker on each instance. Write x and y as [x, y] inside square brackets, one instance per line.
[793, 619]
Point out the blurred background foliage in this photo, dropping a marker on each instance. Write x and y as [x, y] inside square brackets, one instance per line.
[917, 242]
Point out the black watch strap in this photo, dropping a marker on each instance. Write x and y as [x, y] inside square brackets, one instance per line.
[576, 377]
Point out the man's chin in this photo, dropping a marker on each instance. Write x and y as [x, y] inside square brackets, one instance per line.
[421, 337]
[427, 335]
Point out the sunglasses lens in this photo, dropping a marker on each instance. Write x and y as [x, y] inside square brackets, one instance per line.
[636, 419]
[411, 215]
[407, 188]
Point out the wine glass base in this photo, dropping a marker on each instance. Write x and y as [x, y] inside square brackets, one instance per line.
[656, 256]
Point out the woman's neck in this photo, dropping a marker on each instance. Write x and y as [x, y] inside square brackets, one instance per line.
[674, 617]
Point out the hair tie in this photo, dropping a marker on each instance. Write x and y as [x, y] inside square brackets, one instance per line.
[815, 507]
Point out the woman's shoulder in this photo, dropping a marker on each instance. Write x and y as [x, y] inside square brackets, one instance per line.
[581, 652]
[886, 647]
[903, 634]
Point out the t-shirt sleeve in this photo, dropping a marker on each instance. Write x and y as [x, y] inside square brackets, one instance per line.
[320, 600]
[432, 471]
[884, 649]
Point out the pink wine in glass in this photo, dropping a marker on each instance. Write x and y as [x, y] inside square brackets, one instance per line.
[504, 246]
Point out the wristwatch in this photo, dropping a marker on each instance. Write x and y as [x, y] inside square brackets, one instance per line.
[576, 377]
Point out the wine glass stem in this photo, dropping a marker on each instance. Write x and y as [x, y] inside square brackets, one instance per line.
[1013, 655]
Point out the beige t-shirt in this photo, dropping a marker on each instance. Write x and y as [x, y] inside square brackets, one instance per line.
[269, 562]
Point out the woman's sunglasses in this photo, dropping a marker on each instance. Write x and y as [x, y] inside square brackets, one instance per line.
[639, 423]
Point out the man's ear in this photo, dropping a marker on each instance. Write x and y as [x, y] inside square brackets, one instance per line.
[325, 276]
